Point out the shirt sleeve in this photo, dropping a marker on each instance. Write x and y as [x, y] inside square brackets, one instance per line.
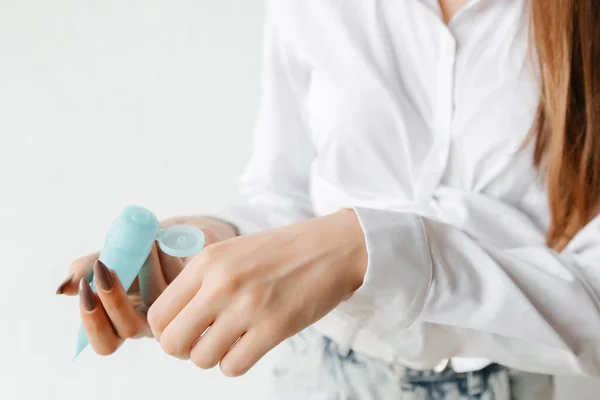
[274, 184]
[435, 291]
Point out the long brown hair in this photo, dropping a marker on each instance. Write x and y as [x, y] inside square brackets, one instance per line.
[566, 34]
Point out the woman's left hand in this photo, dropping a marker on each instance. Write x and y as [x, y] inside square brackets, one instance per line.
[260, 289]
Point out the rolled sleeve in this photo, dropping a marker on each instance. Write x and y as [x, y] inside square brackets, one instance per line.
[274, 187]
[399, 271]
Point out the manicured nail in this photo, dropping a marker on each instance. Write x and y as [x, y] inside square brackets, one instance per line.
[103, 276]
[64, 284]
[86, 296]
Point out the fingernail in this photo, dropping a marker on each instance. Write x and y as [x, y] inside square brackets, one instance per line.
[103, 275]
[86, 296]
[63, 284]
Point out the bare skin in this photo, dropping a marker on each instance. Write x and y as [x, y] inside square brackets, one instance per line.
[451, 7]
[236, 300]
[255, 291]
[112, 315]
[252, 291]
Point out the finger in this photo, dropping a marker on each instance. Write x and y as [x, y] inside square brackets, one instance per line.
[174, 298]
[120, 310]
[180, 334]
[171, 266]
[100, 333]
[151, 279]
[251, 347]
[135, 286]
[80, 268]
[215, 343]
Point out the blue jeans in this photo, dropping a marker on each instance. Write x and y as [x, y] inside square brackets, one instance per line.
[311, 367]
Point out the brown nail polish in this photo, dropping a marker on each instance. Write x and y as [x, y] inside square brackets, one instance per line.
[103, 276]
[86, 296]
[64, 284]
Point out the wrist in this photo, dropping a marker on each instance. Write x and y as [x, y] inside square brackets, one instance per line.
[226, 229]
[354, 240]
[216, 230]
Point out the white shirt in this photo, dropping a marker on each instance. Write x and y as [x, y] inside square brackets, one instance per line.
[377, 105]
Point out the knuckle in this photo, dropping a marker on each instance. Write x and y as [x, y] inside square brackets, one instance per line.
[233, 368]
[225, 281]
[230, 283]
[105, 350]
[210, 254]
[155, 320]
[173, 347]
[250, 300]
[168, 347]
[209, 236]
[200, 360]
[128, 332]
[215, 252]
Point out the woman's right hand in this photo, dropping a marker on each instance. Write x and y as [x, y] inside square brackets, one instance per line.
[112, 315]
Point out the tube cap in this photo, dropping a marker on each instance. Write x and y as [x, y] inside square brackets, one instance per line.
[181, 240]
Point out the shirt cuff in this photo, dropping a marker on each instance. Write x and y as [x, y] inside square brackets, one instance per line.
[399, 271]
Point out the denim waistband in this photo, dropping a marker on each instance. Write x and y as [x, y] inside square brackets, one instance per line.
[472, 383]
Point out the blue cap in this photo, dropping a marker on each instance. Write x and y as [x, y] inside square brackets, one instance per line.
[181, 240]
[137, 228]
[130, 240]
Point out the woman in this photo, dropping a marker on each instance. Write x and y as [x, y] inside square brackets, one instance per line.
[422, 194]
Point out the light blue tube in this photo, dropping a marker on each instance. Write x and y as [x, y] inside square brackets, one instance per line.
[129, 242]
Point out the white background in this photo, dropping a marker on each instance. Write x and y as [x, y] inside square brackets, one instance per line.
[105, 103]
